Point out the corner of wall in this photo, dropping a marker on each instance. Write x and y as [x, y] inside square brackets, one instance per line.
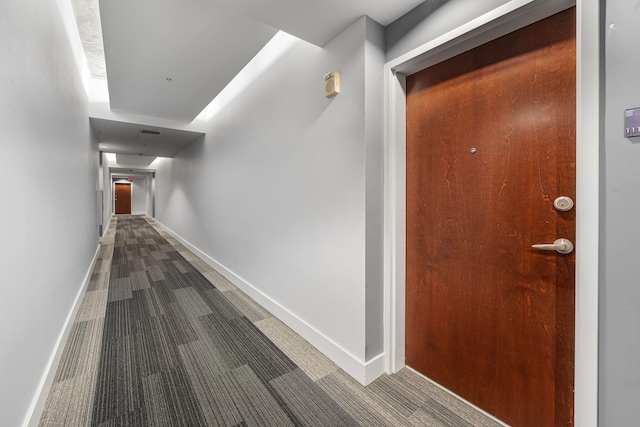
[374, 187]
[363, 372]
[37, 405]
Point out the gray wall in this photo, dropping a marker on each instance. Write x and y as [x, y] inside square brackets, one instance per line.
[430, 20]
[285, 190]
[374, 164]
[107, 194]
[620, 284]
[48, 218]
[619, 335]
[149, 196]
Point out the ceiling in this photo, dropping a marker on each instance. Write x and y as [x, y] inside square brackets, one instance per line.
[140, 140]
[169, 58]
[318, 21]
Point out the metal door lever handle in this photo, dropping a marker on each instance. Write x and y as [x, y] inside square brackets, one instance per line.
[562, 246]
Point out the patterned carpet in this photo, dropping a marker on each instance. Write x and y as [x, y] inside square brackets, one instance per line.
[161, 339]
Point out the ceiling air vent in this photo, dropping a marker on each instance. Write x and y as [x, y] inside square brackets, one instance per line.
[149, 132]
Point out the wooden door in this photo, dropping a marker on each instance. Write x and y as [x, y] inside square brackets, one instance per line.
[122, 198]
[490, 146]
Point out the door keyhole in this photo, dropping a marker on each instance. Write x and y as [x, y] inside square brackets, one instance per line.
[563, 203]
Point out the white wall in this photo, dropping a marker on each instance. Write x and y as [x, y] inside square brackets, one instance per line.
[277, 191]
[48, 218]
[139, 188]
[620, 287]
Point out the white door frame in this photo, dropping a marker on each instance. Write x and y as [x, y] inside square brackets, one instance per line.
[511, 16]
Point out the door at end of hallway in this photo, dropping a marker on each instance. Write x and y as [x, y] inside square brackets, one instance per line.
[122, 198]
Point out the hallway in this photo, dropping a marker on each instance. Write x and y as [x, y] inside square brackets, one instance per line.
[162, 339]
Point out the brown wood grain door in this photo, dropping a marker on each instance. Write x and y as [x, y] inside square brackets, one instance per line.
[122, 198]
[490, 146]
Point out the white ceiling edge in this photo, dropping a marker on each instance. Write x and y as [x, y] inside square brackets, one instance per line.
[131, 160]
[122, 167]
[102, 110]
[318, 22]
[137, 139]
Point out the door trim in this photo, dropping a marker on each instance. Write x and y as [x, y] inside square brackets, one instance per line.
[500, 21]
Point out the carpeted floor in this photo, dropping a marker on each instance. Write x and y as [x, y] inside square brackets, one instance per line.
[162, 339]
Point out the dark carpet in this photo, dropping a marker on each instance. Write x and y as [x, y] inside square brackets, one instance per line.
[176, 352]
[154, 343]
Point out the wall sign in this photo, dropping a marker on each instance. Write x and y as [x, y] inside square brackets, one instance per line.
[632, 122]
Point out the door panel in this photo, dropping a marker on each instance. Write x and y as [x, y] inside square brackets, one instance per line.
[122, 198]
[490, 145]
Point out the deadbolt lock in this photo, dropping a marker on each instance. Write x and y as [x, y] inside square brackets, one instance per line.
[563, 203]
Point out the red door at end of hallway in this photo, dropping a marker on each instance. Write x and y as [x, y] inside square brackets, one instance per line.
[490, 147]
[122, 198]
